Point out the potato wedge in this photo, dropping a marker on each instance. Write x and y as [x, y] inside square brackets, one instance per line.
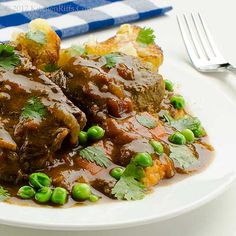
[41, 54]
[125, 42]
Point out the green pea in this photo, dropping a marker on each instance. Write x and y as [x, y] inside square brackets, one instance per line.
[117, 172]
[178, 102]
[59, 196]
[81, 191]
[93, 198]
[200, 132]
[43, 195]
[83, 137]
[143, 159]
[177, 138]
[39, 180]
[26, 192]
[188, 134]
[169, 85]
[95, 133]
[157, 146]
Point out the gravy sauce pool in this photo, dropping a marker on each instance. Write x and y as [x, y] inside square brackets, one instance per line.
[206, 157]
[72, 173]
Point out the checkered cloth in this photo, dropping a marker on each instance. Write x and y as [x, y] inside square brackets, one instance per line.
[70, 18]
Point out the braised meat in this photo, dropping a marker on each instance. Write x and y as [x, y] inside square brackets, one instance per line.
[35, 118]
[130, 137]
[110, 92]
[124, 138]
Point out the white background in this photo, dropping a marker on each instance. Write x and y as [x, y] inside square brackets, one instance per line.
[217, 218]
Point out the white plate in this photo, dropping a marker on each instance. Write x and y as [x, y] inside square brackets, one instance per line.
[217, 114]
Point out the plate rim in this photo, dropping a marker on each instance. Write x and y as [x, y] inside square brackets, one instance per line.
[127, 224]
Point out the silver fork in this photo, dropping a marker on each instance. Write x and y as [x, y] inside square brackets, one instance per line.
[200, 45]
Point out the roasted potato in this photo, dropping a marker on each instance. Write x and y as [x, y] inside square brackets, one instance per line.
[125, 42]
[40, 44]
[49, 53]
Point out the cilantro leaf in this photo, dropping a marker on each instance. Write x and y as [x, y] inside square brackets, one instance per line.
[77, 50]
[167, 117]
[133, 170]
[129, 186]
[34, 109]
[37, 36]
[182, 156]
[9, 62]
[95, 154]
[186, 122]
[4, 194]
[112, 59]
[146, 36]
[146, 121]
[8, 58]
[51, 68]
[7, 49]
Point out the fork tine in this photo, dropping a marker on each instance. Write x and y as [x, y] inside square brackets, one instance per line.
[203, 41]
[190, 49]
[200, 45]
[194, 39]
[209, 37]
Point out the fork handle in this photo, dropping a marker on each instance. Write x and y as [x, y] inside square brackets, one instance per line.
[231, 69]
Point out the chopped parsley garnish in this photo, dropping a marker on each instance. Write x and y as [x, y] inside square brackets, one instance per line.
[96, 155]
[34, 109]
[146, 36]
[7, 49]
[8, 58]
[112, 59]
[129, 186]
[77, 50]
[182, 156]
[37, 36]
[146, 121]
[51, 68]
[186, 122]
[4, 194]
[167, 117]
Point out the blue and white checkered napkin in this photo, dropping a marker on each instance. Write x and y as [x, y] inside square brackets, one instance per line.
[70, 18]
